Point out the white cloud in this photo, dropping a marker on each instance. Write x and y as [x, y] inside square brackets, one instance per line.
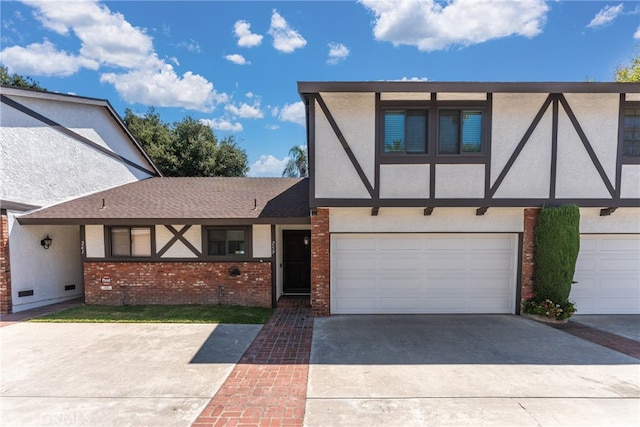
[164, 88]
[43, 59]
[294, 113]
[636, 35]
[430, 25]
[191, 46]
[237, 59]
[107, 39]
[222, 125]
[285, 38]
[245, 111]
[337, 52]
[414, 79]
[268, 165]
[246, 38]
[605, 16]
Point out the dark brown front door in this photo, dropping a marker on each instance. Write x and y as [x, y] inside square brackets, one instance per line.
[296, 261]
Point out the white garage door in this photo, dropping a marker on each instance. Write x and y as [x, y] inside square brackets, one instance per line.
[423, 273]
[608, 275]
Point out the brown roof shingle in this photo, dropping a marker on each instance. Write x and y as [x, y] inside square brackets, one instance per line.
[181, 200]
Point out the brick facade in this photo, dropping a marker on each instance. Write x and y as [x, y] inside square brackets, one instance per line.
[529, 250]
[5, 269]
[137, 283]
[320, 263]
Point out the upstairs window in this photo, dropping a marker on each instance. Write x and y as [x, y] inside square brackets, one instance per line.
[129, 242]
[223, 242]
[631, 133]
[460, 131]
[405, 131]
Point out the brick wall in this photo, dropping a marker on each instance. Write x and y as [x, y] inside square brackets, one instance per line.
[5, 270]
[320, 263]
[136, 283]
[529, 250]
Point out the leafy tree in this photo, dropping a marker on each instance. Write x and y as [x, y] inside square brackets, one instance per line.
[186, 148]
[298, 164]
[631, 73]
[17, 80]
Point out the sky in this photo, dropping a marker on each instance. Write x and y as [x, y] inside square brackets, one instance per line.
[235, 65]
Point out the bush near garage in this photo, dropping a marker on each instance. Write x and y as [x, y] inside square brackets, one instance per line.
[557, 238]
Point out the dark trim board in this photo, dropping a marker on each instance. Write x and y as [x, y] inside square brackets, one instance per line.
[162, 221]
[469, 203]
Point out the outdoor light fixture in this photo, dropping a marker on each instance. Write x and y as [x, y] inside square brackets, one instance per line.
[306, 240]
[46, 242]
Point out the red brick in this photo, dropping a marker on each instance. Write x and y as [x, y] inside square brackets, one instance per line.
[5, 269]
[529, 250]
[320, 263]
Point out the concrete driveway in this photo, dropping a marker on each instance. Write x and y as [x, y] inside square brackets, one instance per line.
[54, 374]
[440, 370]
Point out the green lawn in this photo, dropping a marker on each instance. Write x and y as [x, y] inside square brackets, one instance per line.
[160, 314]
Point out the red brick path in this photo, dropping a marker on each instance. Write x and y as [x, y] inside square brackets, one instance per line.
[268, 386]
[606, 339]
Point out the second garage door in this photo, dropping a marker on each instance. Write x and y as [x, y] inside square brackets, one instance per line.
[423, 273]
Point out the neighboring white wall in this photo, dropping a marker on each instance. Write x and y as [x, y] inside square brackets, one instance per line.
[261, 238]
[178, 249]
[45, 271]
[623, 220]
[41, 166]
[94, 241]
[404, 181]
[334, 172]
[412, 220]
[459, 181]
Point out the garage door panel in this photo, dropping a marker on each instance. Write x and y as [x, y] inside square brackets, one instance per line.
[424, 274]
[607, 275]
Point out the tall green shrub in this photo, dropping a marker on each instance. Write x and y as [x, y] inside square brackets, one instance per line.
[557, 246]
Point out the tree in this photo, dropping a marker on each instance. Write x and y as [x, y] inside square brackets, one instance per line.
[298, 164]
[629, 74]
[186, 148]
[17, 80]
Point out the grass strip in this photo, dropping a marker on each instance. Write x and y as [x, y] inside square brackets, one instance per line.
[160, 314]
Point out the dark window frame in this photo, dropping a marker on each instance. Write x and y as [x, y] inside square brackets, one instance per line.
[231, 257]
[433, 108]
[483, 132]
[406, 110]
[626, 158]
[109, 243]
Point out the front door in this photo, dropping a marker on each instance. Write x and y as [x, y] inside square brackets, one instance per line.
[296, 261]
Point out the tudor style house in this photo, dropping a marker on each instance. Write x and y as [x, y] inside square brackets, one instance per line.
[422, 197]
[425, 195]
[54, 147]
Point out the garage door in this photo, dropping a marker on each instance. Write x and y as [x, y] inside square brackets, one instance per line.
[608, 275]
[423, 273]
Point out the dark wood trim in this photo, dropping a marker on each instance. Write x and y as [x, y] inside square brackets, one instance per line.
[83, 243]
[177, 260]
[161, 221]
[68, 132]
[619, 154]
[519, 272]
[554, 149]
[305, 88]
[378, 137]
[525, 138]
[473, 203]
[487, 149]
[587, 145]
[311, 142]
[248, 255]
[178, 235]
[274, 268]
[345, 145]
[625, 160]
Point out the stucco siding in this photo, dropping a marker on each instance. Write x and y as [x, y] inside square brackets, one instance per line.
[622, 221]
[459, 181]
[404, 181]
[261, 239]
[461, 96]
[335, 175]
[630, 185]
[412, 220]
[178, 249]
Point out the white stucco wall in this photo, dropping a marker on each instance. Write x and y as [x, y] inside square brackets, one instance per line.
[459, 181]
[623, 220]
[461, 96]
[404, 181]
[41, 166]
[632, 97]
[94, 241]
[405, 96]
[412, 220]
[261, 240]
[178, 249]
[334, 172]
[46, 272]
[630, 185]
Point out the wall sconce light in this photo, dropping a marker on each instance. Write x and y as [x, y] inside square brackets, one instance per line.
[46, 242]
[306, 240]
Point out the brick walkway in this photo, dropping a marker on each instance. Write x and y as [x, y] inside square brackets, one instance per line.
[606, 339]
[268, 386]
[10, 319]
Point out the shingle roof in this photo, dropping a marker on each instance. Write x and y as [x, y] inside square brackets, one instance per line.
[180, 200]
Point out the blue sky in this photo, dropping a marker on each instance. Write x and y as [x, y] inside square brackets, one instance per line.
[235, 65]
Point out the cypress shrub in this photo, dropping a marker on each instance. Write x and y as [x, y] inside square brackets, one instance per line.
[557, 245]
